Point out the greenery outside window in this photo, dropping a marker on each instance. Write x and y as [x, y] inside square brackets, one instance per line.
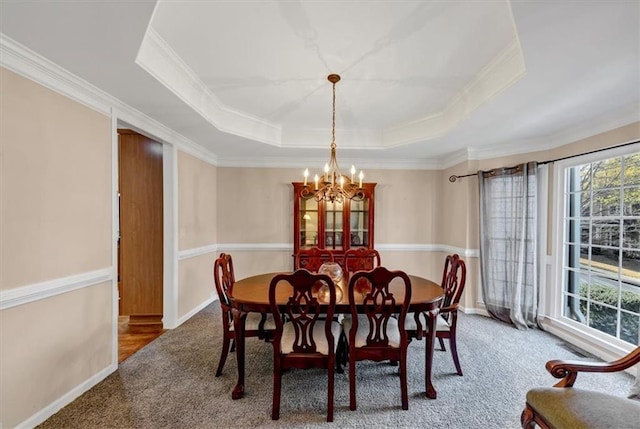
[601, 271]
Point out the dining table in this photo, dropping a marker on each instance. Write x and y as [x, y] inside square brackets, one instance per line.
[251, 294]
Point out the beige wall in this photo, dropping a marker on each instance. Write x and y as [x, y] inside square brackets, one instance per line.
[195, 282]
[51, 346]
[406, 206]
[197, 196]
[55, 202]
[55, 185]
[255, 205]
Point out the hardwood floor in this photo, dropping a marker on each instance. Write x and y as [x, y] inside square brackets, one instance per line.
[133, 338]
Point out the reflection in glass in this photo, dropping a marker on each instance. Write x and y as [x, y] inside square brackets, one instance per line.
[606, 202]
[631, 233]
[603, 318]
[632, 169]
[606, 173]
[630, 327]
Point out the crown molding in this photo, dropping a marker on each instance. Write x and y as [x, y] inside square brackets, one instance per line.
[625, 116]
[158, 59]
[362, 163]
[503, 71]
[23, 61]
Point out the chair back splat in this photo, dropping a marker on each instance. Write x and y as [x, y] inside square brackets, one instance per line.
[375, 333]
[311, 259]
[306, 336]
[361, 259]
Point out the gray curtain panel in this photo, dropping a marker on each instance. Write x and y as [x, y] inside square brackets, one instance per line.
[508, 243]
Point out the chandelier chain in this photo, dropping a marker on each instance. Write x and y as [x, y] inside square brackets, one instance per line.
[333, 186]
[333, 119]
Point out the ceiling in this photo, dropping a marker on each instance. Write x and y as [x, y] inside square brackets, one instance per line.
[424, 84]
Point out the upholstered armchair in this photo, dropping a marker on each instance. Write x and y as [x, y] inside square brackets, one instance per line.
[566, 407]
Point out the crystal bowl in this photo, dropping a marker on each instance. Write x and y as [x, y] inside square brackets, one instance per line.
[332, 269]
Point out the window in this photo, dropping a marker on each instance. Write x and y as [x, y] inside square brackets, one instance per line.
[601, 269]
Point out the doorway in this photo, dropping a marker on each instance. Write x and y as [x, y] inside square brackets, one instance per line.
[140, 241]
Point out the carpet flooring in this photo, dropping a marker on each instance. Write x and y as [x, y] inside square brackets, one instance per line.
[170, 383]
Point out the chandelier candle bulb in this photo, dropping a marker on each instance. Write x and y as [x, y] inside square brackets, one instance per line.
[316, 180]
[306, 174]
[361, 175]
[342, 181]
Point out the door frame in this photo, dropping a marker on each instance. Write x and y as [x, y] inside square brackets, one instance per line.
[170, 225]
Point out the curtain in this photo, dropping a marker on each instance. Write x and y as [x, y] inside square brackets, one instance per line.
[508, 243]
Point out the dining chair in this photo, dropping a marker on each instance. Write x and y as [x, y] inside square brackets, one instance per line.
[453, 281]
[361, 259]
[311, 259]
[375, 334]
[306, 336]
[256, 324]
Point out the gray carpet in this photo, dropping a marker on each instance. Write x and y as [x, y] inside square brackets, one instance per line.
[171, 384]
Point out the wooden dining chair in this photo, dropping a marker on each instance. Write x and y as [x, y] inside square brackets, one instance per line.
[361, 259]
[453, 281]
[306, 336]
[311, 259]
[256, 324]
[376, 334]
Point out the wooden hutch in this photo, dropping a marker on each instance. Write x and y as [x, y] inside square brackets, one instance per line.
[335, 226]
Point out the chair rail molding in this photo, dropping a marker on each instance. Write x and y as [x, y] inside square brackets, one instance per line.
[400, 247]
[47, 289]
[197, 251]
[256, 247]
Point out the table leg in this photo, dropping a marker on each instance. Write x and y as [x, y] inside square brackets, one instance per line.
[430, 339]
[239, 318]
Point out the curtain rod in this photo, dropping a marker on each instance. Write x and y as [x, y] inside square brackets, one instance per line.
[454, 177]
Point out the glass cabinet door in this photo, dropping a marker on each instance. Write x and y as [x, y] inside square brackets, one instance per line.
[359, 223]
[308, 222]
[333, 229]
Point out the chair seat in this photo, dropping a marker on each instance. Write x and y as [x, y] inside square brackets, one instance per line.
[410, 322]
[252, 322]
[363, 331]
[322, 347]
[573, 408]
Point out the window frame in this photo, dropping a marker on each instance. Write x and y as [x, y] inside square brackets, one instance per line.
[575, 332]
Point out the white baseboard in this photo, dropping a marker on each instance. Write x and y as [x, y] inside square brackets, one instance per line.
[193, 312]
[66, 399]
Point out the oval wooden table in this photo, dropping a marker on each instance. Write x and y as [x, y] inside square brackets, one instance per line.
[252, 295]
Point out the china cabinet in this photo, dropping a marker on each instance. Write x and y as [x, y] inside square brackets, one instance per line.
[337, 226]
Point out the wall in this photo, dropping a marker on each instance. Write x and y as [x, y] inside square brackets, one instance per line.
[255, 219]
[55, 224]
[197, 196]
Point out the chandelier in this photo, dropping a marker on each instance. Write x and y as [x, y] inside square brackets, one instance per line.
[333, 186]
